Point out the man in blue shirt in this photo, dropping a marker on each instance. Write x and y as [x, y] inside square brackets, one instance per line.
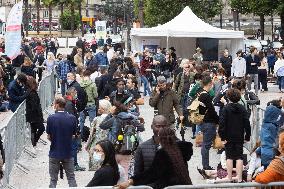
[64, 67]
[61, 128]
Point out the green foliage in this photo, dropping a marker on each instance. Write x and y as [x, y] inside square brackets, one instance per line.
[160, 12]
[66, 17]
[114, 8]
[242, 6]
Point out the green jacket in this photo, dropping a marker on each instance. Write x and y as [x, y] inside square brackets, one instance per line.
[179, 83]
[165, 103]
[91, 90]
[196, 88]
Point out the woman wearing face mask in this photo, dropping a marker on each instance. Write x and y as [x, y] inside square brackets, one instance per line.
[108, 173]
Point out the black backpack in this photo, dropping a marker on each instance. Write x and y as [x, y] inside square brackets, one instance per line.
[127, 137]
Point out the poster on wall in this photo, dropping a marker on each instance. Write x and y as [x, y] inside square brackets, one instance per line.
[151, 44]
[13, 36]
[101, 31]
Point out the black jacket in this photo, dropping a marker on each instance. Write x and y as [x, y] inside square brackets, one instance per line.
[105, 176]
[234, 124]
[82, 96]
[252, 69]
[161, 173]
[208, 109]
[17, 95]
[18, 61]
[33, 108]
[226, 62]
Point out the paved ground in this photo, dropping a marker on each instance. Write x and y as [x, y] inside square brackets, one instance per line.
[38, 176]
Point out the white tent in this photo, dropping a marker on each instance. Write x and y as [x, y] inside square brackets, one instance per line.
[182, 32]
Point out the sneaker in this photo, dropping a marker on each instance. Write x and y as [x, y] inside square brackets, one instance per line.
[202, 173]
[208, 168]
[193, 137]
[78, 168]
[210, 181]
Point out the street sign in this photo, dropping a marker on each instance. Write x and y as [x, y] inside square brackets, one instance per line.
[101, 31]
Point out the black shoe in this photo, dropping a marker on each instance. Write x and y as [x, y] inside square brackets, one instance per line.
[202, 173]
[193, 137]
[208, 168]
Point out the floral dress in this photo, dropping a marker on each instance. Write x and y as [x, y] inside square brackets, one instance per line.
[97, 134]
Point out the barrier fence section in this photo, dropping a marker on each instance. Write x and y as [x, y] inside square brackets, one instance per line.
[47, 90]
[257, 115]
[248, 185]
[16, 134]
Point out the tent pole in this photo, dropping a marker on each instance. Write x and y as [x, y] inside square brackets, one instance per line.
[167, 42]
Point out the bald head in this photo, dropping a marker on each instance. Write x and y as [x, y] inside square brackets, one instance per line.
[158, 123]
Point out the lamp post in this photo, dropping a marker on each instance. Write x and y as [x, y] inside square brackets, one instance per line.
[141, 13]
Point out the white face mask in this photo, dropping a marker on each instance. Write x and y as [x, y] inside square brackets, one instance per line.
[97, 157]
[69, 81]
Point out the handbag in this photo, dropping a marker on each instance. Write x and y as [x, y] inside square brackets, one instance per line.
[217, 144]
[198, 139]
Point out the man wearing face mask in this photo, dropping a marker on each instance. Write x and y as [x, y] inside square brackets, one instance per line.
[82, 98]
[239, 66]
[165, 99]
[70, 107]
[226, 61]
[17, 92]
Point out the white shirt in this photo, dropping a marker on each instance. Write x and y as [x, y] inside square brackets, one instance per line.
[278, 64]
[238, 67]
[94, 75]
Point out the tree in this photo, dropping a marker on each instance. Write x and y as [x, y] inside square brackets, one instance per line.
[65, 20]
[263, 8]
[160, 12]
[26, 17]
[239, 7]
[37, 4]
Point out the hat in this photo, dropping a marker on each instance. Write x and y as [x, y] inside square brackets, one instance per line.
[172, 48]
[198, 49]
[239, 51]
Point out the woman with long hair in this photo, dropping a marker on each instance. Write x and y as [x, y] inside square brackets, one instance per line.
[50, 62]
[34, 113]
[108, 173]
[169, 166]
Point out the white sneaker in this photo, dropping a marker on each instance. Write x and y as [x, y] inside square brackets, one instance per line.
[210, 181]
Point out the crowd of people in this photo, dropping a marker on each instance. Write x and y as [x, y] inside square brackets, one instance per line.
[110, 87]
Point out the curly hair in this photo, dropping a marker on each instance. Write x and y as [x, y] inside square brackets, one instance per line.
[167, 140]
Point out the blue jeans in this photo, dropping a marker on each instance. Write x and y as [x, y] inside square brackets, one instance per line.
[74, 150]
[281, 82]
[209, 133]
[91, 109]
[145, 82]
[63, 87]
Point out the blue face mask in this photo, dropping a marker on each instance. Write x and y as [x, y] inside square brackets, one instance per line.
[97, 157]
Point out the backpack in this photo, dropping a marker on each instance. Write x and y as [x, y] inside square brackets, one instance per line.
[101, 59]
[127, 137]
[194, 115]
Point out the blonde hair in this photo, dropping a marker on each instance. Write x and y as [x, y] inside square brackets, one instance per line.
[105, 105]
[50, 55]
[27, 61]
[183, 62]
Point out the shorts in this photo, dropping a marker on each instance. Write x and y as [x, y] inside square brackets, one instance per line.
[234, 151]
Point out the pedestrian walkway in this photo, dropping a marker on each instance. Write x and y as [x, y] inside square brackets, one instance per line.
[38, 177]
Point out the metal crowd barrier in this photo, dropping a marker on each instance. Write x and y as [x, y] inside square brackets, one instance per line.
[257, 115]
[16, 134]
[110, 187]
[47, 90]
[248, 185]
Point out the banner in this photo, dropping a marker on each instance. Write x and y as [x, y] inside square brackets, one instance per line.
[151, 44]
[13, 36]
[101, 31]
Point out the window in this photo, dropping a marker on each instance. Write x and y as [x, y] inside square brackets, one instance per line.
[45, 14]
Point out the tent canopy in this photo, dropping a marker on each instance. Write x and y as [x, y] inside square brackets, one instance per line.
[187, 24]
